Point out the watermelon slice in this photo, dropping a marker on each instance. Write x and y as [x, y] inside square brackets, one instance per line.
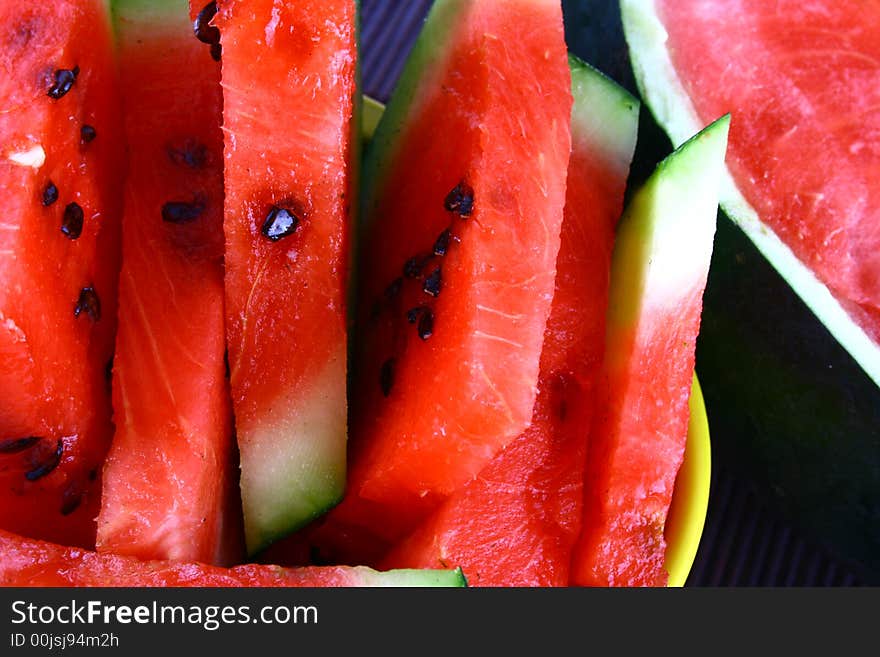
[515, 524]
[801, 82]
[61, 163]
[169, 470]
[288, 87]
[25, 562]
[465, 185]
[659, 270]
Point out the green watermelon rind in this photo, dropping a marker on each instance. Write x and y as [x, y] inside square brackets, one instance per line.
[414, 577]
[604, 114]
[665, 238]
[145, 11]
[664, 93]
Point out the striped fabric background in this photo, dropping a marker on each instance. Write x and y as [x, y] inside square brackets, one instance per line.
[745, 542]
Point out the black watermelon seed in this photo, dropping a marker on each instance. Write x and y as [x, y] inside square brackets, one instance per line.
[70, 502]
[191, 154]
[13, 445]
[412, 315]
[426, 324]
[386, 376]
[441, 246]
[87, 133]
[433, 283]
[64, 79]
[47, 466]
[394, 289]
[460, 200]
[413, 267]
[279, 223]
[181, 212]
[205, 32]
[93, 474]
[50, 194]
[72, 221]
[216, 51]
[88, 303]
[226, 369]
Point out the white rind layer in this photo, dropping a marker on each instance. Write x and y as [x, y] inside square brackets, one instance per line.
[671, 106]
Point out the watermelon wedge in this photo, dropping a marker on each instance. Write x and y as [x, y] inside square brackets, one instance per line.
[25, 562]
[516, 522]
[658, 274]
[464, 191]
[289, 72]
[801, 82]
[169, 470]
[61, 167]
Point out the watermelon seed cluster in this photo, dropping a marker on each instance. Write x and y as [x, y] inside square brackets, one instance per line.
[72, 221]
[460, 202]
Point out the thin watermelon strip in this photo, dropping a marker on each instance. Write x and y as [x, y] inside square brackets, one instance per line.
[25, 562]
[801, 82]
[169, 470]
[516, 523]
[61, 166]
[289, 74]
[465, 190]
[658, 274]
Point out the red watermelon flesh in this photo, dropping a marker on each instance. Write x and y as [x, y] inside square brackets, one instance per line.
[660, 263]
[449, 343]
[169, 471]
[289, 84]
[801, 81]
[25, 562]
[515, 524]
[61, 170]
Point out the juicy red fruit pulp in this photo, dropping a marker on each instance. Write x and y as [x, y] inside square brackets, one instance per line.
[60, 178]
[803, 145]
[457, 267]
[169, 475]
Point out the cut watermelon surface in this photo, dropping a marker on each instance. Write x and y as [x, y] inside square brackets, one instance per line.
[659, 268]
[61, 167]
[801, 82]
[25, 562]
[516, 522]
[465, 184]
[289, 74]
[169, 471]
